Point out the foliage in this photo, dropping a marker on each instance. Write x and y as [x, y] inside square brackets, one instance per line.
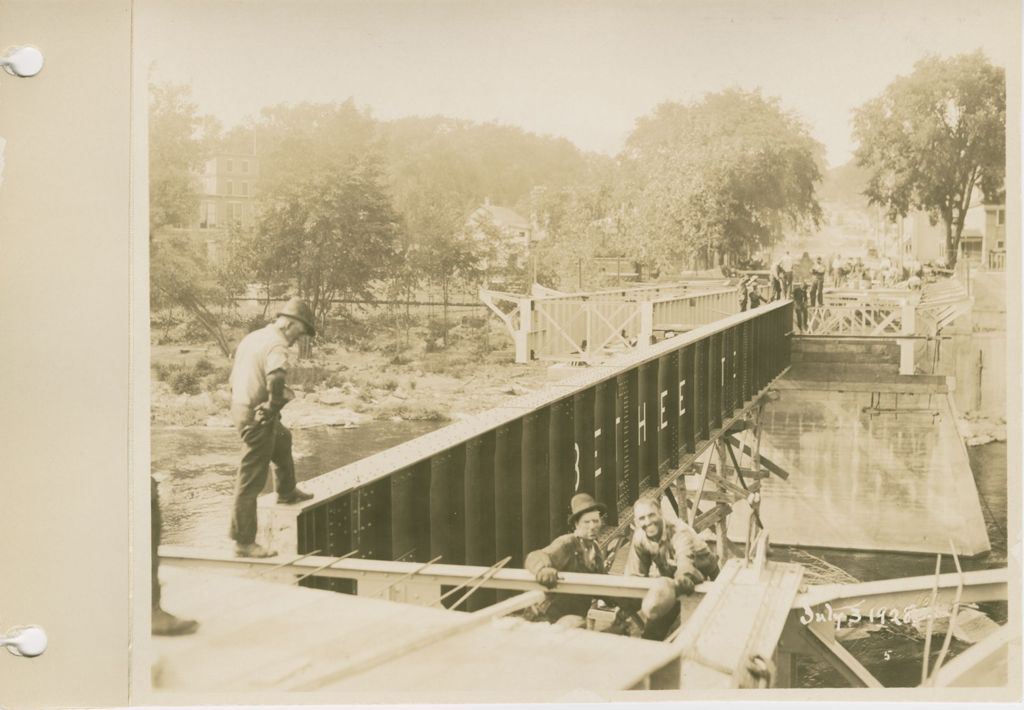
[724, 176]
[580, 223]
[332, 234]
[932, 137]
[179, 274]
[178, 142]
[469, 162]
[191, 379]
[326, 223]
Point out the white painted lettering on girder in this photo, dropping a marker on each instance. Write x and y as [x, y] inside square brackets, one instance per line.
[682, 399]
[597, 469]
[577, 466]
[664, 422]
[641, 420]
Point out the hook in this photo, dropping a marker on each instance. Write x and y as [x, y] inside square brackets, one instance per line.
[22, 61]
[27, 641]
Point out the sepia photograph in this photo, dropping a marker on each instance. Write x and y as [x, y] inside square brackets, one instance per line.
[574, 352]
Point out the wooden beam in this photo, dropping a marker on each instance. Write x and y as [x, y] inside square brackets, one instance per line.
[376, 656]
[822, 639]
[982, 585]
[984, 664]
[384, 572]
[766, 462]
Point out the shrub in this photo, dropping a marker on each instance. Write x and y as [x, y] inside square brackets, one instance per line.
[184, 381]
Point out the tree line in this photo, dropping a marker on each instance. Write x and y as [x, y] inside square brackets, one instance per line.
[350, 206]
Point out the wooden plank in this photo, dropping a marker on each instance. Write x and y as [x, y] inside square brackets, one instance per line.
[289, 636]
[824, 642]
[743, 615]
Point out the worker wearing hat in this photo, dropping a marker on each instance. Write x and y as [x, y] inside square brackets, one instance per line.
[258, 393]
[577, 551]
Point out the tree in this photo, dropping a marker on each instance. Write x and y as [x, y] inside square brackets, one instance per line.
[721, 178]
[934, 136]
[441, 249]
[332, 233]
[179, 274]
[179, 141]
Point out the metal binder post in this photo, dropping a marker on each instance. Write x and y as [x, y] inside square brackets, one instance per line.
[22, 61]
[27, 641]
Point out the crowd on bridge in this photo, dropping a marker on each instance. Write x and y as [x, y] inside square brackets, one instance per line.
[804, 280]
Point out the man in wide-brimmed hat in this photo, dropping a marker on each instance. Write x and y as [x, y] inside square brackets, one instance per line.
[577, 551]
[258, 393]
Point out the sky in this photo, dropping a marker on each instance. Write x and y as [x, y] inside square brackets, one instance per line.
[585, 71]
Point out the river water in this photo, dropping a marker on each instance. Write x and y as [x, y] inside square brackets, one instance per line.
[196, 469]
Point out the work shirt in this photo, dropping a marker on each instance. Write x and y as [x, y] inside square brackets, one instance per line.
[678, 548]
[786, 263]
[566, 553]
[818, 270]
[260, 353]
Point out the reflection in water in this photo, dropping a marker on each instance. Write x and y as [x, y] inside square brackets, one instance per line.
[886, 477]
[196, 470]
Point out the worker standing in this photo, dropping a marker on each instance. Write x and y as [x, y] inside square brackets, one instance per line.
[786, 265]
[775, 277]
[162, 623]
[258, 393]
[800, 306]
[753, 293]
[818, 283]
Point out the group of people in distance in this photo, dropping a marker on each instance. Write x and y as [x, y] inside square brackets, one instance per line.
[806, 291]
[662, 547]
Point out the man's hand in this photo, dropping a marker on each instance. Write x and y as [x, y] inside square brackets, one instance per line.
[686, 582]
[266, 412]
[548, 577]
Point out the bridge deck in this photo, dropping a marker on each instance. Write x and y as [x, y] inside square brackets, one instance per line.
[260, 636]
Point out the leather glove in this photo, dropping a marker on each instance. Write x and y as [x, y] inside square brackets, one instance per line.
[265, 412]
[687, 581]
[548, 577]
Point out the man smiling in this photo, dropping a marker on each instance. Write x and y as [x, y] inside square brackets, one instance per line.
[674, 549]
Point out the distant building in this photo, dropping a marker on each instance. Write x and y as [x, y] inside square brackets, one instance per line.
[227, 190]
[982, 242]
[507, 232]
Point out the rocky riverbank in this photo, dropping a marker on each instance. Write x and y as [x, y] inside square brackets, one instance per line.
[346, 389]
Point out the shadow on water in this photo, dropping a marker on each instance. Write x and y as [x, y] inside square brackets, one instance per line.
[196, 469]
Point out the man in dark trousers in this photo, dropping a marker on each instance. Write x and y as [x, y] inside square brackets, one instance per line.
[258, 393]
[800, 305]
[163, 623]
[818, 284]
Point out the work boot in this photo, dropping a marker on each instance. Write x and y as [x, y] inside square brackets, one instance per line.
[253, 550]
[165, 624]
[294, 496]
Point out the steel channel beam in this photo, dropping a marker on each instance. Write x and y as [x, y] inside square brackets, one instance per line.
[499, 484]
[383, 572]
[979, 586]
